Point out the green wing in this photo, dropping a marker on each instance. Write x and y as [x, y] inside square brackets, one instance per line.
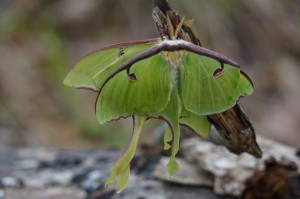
[171, 115]
[102, 62]
[204, 93]
[121, 170]
[198, 124]
[148, 95]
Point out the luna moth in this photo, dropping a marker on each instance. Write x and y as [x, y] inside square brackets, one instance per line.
[170, 79]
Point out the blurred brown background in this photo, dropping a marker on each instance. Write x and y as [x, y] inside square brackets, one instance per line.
[40, 39]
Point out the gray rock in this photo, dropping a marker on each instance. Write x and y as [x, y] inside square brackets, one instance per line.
[82, 174]
[51, 193]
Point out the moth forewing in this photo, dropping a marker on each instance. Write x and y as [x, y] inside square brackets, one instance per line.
[92, 66]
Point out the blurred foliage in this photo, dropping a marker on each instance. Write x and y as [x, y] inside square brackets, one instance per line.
[40, 39]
